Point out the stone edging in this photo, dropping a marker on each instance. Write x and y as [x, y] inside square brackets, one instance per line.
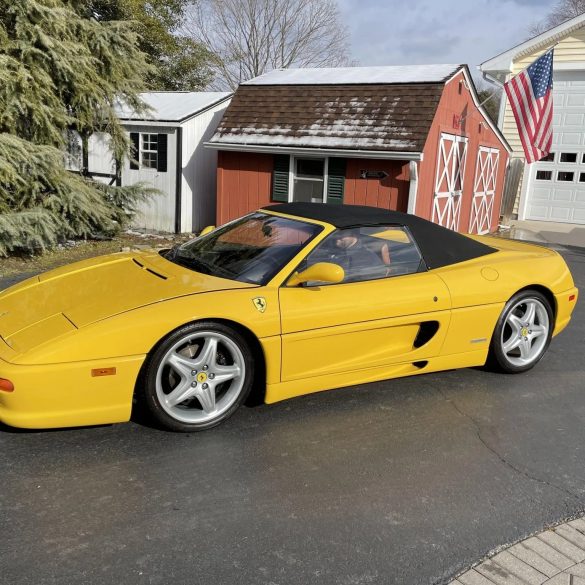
[552, 557]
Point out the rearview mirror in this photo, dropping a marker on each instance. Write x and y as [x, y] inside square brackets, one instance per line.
[206, 230]
[319, 272]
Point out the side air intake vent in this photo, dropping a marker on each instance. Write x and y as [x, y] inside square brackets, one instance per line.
[426, 333]
[420, 365]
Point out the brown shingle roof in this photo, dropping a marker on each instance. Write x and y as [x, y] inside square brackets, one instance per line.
[381, 117]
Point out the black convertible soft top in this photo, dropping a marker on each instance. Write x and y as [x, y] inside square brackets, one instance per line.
[438, 245]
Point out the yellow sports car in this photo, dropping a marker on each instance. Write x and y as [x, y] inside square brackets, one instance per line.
[294, 298]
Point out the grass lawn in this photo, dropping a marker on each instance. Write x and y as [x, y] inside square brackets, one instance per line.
[85, 249]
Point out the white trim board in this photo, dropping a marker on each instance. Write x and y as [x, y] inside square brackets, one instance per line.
[374, 154]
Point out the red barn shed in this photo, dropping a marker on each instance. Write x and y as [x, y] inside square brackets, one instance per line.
[409, 138]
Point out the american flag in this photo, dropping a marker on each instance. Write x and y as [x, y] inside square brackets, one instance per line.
[530, 96]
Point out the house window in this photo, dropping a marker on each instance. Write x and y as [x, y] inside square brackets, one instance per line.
[309, 180]
[149, 151]
[565, 176]
[550, 157]
[543, 175]
[582, 178]
[568, 157]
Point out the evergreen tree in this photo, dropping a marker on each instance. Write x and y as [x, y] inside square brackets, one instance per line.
[61, 72]
[179, 62]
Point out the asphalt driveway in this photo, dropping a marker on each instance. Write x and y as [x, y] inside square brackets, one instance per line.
[405, 481]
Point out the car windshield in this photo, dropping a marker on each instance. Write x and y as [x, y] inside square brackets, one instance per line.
[251, 249]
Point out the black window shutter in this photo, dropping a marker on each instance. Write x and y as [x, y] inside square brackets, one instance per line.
[162, 153]
[280, 177]
[135, 154]
[336, 180]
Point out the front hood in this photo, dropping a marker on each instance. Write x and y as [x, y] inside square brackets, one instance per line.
[80, 294]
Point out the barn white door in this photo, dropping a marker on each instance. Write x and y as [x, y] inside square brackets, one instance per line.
[484, 188]
[449, 180]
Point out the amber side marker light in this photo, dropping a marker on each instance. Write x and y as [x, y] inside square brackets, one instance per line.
[6, 385]
[572, 297]
[103, 372]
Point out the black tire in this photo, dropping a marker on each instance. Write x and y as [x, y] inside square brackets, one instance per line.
[159, 376]
[513, 361]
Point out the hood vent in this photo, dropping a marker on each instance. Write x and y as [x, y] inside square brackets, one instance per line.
[157, 274]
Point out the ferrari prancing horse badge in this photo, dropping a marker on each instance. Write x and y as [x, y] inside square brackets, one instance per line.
[260, 303]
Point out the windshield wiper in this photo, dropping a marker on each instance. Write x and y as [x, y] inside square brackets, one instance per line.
[172, 253]
[199, 265]
[192, 263]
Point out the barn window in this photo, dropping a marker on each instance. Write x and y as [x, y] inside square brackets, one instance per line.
[543, 175]
[309, 180]
[149, 151]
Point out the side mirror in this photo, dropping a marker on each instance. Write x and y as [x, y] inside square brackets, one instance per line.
[319, 272]
[206, 230]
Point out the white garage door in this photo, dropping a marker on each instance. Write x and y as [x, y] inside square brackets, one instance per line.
[556, 187]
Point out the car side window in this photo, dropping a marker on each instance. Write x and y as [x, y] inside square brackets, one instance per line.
[369, 253]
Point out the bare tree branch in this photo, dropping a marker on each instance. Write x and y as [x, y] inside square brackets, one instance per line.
[250, 37]
[562, 11]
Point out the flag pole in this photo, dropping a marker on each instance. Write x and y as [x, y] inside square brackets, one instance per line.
[495, 93]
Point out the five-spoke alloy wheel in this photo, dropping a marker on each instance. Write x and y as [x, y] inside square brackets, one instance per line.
[523, 332]
[198, 376]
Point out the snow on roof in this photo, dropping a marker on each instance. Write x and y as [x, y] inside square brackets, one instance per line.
[354, 141]
[357, 75]
[172, 106]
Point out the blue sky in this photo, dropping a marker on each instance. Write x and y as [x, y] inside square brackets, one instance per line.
[396, 32]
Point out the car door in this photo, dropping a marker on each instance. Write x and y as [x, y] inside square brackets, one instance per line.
[373, 320]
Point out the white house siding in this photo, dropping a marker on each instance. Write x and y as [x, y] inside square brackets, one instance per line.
[159, 212]
[199, 170]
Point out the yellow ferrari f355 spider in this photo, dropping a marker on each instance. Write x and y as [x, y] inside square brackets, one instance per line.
[297, 297]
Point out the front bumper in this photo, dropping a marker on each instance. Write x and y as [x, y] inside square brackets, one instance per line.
[67, 395]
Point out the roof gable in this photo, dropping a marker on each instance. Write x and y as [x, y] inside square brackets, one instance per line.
[503, 62]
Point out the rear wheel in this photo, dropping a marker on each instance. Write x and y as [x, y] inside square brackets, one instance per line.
[522, 334]
[198, 377]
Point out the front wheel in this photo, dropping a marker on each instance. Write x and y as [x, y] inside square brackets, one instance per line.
[198, 376]
[522, 334]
